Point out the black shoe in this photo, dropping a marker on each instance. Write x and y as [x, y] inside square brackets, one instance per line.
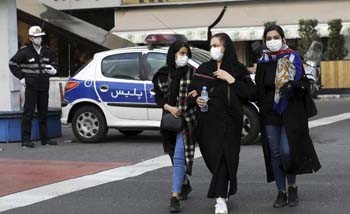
[174, 206]
[185, 190]
[28, 144]
[293, 196]
[48, 142]
[281, 200]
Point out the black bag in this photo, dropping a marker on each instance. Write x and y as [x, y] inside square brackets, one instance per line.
[171, 123]
[168, 121]
[309, 104]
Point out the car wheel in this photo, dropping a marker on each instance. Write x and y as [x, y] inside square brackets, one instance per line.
[130, 132]
[89, 125]
[251, 126]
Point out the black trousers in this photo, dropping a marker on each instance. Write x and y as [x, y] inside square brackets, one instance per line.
[221, 181]
[39, 99]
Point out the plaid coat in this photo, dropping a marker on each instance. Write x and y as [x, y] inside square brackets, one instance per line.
[186, 105]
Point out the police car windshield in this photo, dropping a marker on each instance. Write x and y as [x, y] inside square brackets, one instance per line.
[200, 55]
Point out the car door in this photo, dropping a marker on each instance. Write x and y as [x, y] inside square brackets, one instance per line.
[152, 62]
[120, 87]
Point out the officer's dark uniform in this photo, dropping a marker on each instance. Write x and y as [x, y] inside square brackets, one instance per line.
[28, 64]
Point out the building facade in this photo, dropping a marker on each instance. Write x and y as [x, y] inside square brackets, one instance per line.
[243, 20]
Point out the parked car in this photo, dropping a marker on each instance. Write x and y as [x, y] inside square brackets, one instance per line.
[114, 90]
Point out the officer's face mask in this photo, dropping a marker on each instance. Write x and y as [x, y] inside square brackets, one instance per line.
[181, 60]
[37, 41]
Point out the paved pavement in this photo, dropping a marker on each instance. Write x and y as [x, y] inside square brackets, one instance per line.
[324, 192]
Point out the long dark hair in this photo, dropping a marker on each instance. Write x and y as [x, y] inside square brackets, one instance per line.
[272, 28]
[173, 49]
[229, 61]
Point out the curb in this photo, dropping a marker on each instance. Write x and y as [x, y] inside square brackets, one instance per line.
[333, 96]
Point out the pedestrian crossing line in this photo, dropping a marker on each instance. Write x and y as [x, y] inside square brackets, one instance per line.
[329, 120]
[50, 191]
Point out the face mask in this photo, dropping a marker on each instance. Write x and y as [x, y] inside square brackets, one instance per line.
[216, 54]
[181, 61]
[37, 41]
[274, 45]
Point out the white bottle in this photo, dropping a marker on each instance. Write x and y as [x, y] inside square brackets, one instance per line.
[204, 96]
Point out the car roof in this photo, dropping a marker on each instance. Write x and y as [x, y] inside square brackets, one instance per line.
[131, 49]
[162, 49]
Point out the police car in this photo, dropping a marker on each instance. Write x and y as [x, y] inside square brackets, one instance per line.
[114, 90]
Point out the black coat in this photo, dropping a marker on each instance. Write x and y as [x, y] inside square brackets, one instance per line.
[28, 64]
[160, 79]
[303, 156]
[219, 129]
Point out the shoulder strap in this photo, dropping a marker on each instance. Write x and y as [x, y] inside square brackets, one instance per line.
[228, 94]
[169, 79]
[169, 82]
[189, 74]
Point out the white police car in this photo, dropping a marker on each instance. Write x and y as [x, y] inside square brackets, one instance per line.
[114, 90]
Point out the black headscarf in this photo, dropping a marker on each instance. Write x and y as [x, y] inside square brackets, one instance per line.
[229, 61]
[176, 73]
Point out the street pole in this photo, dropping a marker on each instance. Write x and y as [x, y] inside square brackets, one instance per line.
[9, 85]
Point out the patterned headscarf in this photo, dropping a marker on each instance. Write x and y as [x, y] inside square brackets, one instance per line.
[289, 68]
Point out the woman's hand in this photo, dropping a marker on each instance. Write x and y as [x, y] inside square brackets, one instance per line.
[193, 93]
[224, 75]
[175, 111]
[201, 102]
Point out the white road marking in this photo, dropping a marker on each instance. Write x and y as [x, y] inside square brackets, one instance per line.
[329, 120]
[43, 193]
[50, 191]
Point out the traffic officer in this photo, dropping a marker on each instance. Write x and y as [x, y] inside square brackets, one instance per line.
[33, 65]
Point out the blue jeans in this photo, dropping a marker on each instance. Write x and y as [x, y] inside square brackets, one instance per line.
[179, 168]
[280, 155]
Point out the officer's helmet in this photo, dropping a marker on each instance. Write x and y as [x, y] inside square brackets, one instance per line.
[35, 31]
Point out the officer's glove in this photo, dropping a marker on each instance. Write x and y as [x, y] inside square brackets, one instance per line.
[49, 69]
[23, 82]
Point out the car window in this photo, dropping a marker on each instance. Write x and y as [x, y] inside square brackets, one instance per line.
[154, 61]
[200, 56]
[122, 66]
[81, 68]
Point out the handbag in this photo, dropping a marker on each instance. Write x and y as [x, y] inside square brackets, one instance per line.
[171, 123]
[309, 104]
[168, 121]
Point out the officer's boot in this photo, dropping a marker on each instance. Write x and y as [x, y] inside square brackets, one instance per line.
[28, 144]
[48, 142]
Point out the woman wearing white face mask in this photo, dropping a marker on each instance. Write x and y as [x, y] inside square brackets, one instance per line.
[171, 88]
[219, 129]
[287, 146]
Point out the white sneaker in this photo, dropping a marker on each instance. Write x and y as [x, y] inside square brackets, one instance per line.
[221, 206]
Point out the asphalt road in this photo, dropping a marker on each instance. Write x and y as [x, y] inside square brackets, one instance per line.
[323, 192]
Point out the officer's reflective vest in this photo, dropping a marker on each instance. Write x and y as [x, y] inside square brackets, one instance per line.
[28, 64]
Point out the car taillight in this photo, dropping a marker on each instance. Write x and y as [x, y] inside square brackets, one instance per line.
[71, 85]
